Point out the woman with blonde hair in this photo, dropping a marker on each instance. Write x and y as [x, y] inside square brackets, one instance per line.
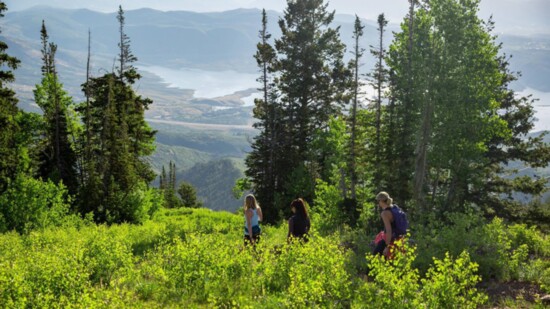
[252, 217]
[395, 224]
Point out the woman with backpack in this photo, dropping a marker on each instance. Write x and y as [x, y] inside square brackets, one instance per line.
[298, 224]
[252, 217]
[395, 224]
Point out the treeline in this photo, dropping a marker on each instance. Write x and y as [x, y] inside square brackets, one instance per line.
[438, 134]
[85, 158]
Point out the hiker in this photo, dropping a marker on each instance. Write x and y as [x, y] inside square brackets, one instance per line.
[252, 217]
[298, 224]
[395, 224]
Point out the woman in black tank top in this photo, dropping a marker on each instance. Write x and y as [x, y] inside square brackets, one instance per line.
[298, 224]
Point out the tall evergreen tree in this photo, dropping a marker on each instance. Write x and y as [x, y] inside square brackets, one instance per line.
[168, 186]
[140, 134]
[356, 85]
[263, 158]
[310, 78]
[379, 78]
[119, 139]
[126, 71]
[310, 70]
[9, 154]
[57, 157]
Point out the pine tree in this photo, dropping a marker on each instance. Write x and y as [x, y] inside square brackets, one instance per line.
[309, 88]
[126, 71]
[355, 64]
[162, 182]
[310, 70]
[379, 78]
[263, 158]
[118, 138]
[57, 157]
[9, 154]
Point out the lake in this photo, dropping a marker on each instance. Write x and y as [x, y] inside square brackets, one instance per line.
[212, 84]
[207, 84]
[542, 108]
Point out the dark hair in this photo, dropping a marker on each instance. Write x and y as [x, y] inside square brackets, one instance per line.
[300, 206]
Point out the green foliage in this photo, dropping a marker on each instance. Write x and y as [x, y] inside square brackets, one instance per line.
[395, 283]
[303, 90]
[29, 204]
[9, 148]
[502, 252]
[326, 213]
[195, 258]
[241, 185]
[452, 283]
[135, 206]
[119, 138]
[188, 195]
[57, 158]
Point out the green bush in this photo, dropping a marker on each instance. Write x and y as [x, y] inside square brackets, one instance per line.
[108, 254]
[196, 258]
[29, 204]
[503, 252]
[452, 284]
[136, 206]
[326, 214]
[395, 283]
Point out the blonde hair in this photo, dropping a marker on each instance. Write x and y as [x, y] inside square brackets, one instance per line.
[384, 196]
[250, 202]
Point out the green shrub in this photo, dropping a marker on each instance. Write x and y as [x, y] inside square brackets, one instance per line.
[195, 258]
[503, 252]
[326, 213]
[319, 275]
[451, 284]
[136, 206]
[29, 204]
[108, 254]
[395, 283]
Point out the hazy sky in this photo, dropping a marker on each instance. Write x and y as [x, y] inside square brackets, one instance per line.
[518, 16]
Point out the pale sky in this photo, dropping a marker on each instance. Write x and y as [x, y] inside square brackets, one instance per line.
[512, 16]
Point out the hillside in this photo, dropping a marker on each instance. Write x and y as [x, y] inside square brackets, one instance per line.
[209, 157]
[195, 258]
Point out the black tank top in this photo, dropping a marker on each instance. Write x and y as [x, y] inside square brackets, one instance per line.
[300, 226]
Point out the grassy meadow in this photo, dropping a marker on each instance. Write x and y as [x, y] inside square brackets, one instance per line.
[195, 258]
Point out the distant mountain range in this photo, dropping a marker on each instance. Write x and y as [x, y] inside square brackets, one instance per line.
[222, 41]
[180, 39]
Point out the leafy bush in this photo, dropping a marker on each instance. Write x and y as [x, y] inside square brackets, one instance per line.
[395, 283]
[108, 253]
[326, 214]
[451, 284]
[196, 258]
[134, 207]
[29, 204]
[501, 251]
